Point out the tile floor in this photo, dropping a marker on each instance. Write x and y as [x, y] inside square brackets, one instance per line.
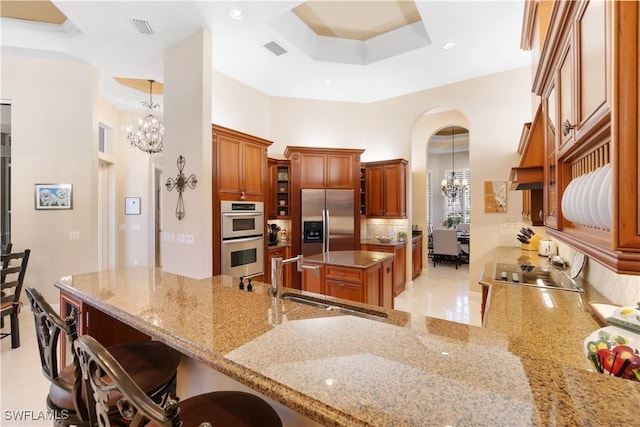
[441, 292]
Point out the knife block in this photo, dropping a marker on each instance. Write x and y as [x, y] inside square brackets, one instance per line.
[533, 244]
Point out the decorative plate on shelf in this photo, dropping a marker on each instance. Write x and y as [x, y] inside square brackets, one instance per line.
[608, 349]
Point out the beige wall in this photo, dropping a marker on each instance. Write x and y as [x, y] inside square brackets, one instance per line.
[54, 140]
[187, 111]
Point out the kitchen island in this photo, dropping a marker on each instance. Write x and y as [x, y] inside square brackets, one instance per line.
[525, 366]
[361, 276]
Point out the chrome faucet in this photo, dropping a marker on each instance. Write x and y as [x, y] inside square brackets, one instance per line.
[276, 272]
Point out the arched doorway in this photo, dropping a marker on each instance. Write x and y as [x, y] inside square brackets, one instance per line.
[430, 123]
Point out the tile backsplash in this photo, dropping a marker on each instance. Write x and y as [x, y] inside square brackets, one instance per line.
[622, 289]
[371, 228]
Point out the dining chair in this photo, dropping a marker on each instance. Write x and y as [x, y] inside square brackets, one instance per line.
[464, 227]
[14, 268]
[218, 408]
[446, 247]
[152, 364]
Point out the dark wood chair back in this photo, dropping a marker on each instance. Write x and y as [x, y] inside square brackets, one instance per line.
[49, 326]
[105, 378]
[14, 268]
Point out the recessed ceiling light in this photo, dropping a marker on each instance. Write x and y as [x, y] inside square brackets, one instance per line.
[236, 14]
[449, 45]
[328, 82]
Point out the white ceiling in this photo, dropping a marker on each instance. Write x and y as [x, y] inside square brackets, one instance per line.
[487, 34]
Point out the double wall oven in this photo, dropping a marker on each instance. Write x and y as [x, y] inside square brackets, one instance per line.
[242, 226]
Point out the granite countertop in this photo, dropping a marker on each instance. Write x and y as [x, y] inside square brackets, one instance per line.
[525, 366]
[357, 259]
[392, 243]
[279, 245]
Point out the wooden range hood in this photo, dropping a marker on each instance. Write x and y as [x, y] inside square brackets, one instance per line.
[530, 173]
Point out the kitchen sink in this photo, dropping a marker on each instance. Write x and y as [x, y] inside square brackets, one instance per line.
[529, 275]
[335, 306]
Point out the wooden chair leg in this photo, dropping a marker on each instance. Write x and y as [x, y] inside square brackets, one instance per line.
[15, 331]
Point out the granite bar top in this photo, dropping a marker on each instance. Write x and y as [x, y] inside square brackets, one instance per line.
[525, 366]
[357, 259]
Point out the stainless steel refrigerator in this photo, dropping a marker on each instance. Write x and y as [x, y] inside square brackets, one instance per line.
[327, 220]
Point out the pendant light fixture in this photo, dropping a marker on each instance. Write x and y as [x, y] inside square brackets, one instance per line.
[150, 132]
[452, 189]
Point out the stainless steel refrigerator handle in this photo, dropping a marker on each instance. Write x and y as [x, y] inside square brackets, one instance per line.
[325, 228]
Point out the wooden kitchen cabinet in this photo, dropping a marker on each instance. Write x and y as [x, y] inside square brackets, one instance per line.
[587, 78]
[386, 189]
[373, 285]
[239, 173]
[283, 252]
[584, 77]
[279, 202]
[241, 165]
[416, 256]
[398, 264]
[94, 322]
[325, 168]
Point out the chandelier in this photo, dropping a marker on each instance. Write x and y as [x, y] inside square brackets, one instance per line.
[452, 188]
[150, 132]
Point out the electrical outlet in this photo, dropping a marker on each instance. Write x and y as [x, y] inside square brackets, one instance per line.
[74, 235]
[180, 238]
[188, 239]
[135, 227]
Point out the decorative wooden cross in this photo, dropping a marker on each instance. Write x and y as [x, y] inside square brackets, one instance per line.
[181, 182]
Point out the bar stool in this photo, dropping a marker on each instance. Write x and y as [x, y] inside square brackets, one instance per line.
[218, 408]
[152, 364]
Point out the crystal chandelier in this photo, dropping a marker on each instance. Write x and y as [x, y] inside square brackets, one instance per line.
[452, 188]
[150, 132]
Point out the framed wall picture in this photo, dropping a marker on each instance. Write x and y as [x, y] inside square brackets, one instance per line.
[53, 196]
[132, 205]
[495, 196]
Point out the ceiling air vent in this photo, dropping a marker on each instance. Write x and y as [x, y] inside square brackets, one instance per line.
[275, 48]
[142, 26]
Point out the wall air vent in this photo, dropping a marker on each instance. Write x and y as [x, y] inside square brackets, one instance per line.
[142, 26]
[275, 48]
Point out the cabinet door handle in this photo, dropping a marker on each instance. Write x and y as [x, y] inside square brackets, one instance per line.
[566, 127]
